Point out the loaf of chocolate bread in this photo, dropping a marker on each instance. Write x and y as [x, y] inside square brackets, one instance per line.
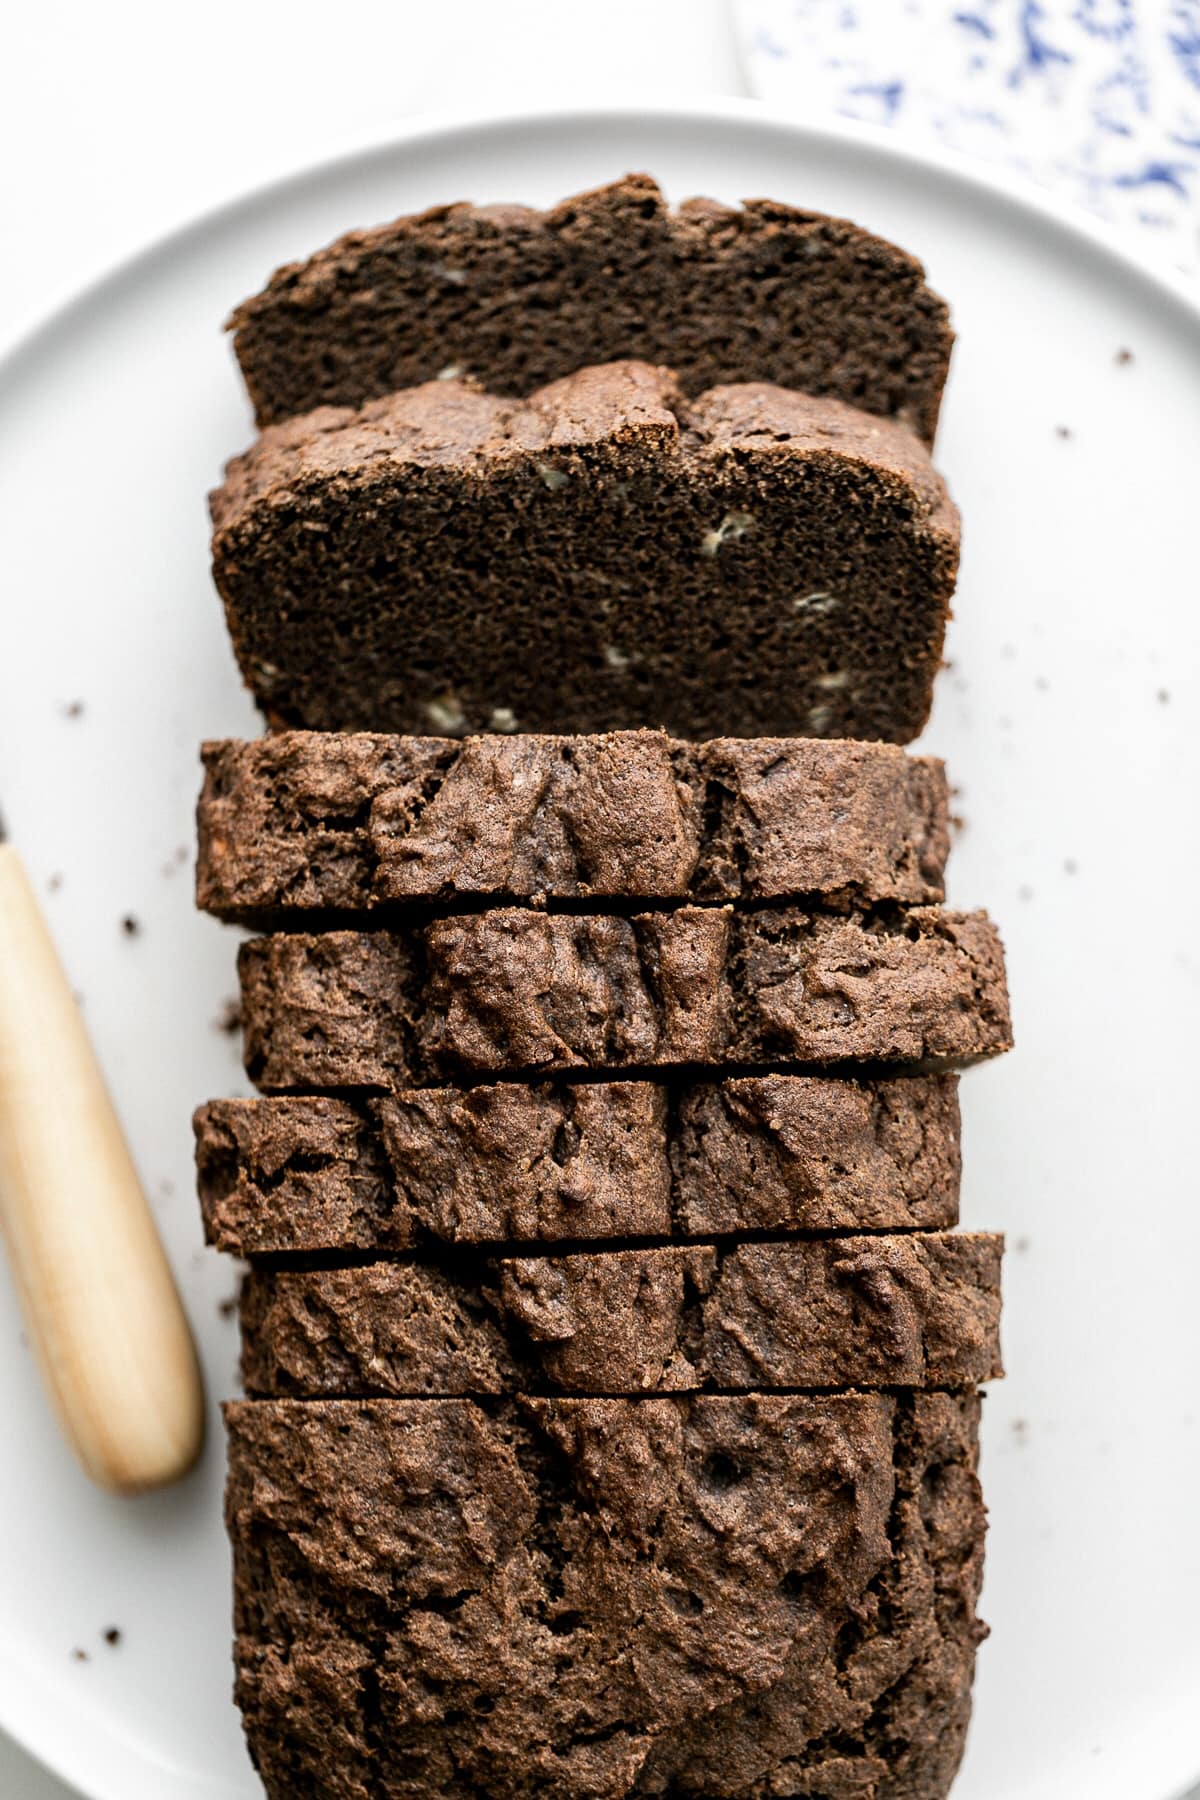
[520, 990]
[751, 562]
[611, 1424]
[511, 1163]
[516, 298]
[920, 1310]
[320, 821]
[586, 1599]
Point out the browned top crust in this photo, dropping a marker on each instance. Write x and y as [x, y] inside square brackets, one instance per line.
[604, 554]
[918, 1310]
[584, 1599]
[516, 298]
[452, 424]
[578, 1161]
[318, 821]
[519, 990]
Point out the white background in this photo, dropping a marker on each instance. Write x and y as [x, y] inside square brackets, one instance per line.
[118, 122]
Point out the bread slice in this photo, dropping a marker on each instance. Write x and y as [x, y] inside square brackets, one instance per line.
[511, 1163]
[332, 1719]
[307, 822]
[517, 990]
[751, 562]
[516, 298]
[921, 1310]
[590, 1598]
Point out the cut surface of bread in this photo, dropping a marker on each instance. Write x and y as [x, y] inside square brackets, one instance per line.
[606, 554]
[516, 298]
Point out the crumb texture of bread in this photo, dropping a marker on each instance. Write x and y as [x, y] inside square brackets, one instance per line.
[745, 1596]
[762, 292]
[522, 991]
[604, 554]
[549, 1162]
[920, 1310]
[324, 822]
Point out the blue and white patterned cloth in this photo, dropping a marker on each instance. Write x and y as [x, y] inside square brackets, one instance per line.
[1097, 99]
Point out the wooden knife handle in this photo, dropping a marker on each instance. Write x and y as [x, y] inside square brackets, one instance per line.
[101, 1304]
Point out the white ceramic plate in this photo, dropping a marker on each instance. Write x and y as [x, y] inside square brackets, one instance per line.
[1070, 721]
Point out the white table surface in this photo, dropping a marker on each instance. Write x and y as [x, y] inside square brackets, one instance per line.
[118, 122]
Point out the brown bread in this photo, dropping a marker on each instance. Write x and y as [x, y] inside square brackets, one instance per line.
[521, 1164]
[324, 821]
[516, 298]
[584, 1599]
[921, 1310]
[752, 562]
[518, 991]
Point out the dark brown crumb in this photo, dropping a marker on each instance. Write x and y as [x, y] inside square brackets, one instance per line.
[73, 709]
[79, 1655]
[1062, 431]
[611, 270]
[113, 1635]
[1123, 357]
[229, 1019]
[630, 526]
[131, 925]
[228, 1307]
[958, 824]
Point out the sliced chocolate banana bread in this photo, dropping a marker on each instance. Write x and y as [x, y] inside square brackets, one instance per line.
[593, 1598]
[516, 298]
[575, 1161]
[321, 821]
[751, 562]
[520, 990]
[921, 1310]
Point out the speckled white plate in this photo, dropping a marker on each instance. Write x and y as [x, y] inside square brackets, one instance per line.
[1070, 718]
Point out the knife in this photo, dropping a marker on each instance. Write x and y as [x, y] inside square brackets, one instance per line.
[102, 1309]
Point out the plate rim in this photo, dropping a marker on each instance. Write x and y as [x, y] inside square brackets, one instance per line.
[37, 1730]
